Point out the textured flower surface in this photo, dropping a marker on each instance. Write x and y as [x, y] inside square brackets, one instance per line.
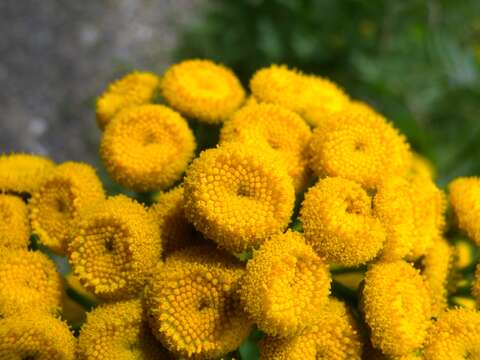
[14, 224]
[339, 223]
[202, 90]
[238, 196]
[465, 199]
[115, 248]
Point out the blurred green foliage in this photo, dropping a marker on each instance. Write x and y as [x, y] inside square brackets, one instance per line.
[416, 61]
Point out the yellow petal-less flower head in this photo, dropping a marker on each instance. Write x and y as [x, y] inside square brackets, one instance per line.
[115, 248]
[334, 336]
[23, 173]
[28, 280]
[193, 305]
[14, 224]
[202, 90]
[133, 89]
[147, 147]
[69, 190]
[359, 145]
[275, 127]
[238, 196]
[397, 307]
[339, 223]
[285, 284]
[464, 196]
[118, 331]
[422, 166]
[33, 335]
[455, 335]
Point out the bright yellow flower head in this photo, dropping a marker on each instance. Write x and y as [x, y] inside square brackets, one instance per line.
[238, 196]
[133, 89]
[115, 248]
[421, 166]
[359, 145]
[193, 306]
[29, 280]
[333, 337]
[14, 224]
[277, 128]
[339, 223]
[147, 147]
[285, 285]
[118, 331]
[202, 90]
[23, 173]
[397, 308]
[465, 200]
[455, 335]
[69, 190]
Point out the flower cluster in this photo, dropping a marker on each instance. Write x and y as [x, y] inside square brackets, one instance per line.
[310, 231]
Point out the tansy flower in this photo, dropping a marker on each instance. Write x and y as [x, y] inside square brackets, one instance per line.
[147, 147]
[396, 303]
[33, 335]
[69, 189]
[115, 248]
[23, 173]
[238, 196]
[133, 89]
[202, 90]
[28, 280]
[455, 335]
[333, 337]
[339, 223]
[14, 224]
[421, 166]
[118, 331]
[285, 283]
[277, 128]
[465, 199]
[476, 285]
[193, 306]
[359, 145]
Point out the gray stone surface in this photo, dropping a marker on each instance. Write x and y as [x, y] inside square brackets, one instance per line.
[56, 56]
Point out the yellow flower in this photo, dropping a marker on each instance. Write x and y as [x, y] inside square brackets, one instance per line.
[23, 173]
[333, 337]
[28, 280]
[476, 284]
[455, 335]
[193, 306]
[339, 223]
[115, 248]
[359, 145]
[147, 147]
[69, 189]
[397, 308]
[118, 331]
[202, 90]
[238, 196]
[421, 166]
[278, 128]
[14, 224]
[465, 200]
[285, 284]
[34, 335]
[133, 89]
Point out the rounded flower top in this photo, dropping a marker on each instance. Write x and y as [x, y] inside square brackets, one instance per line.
[276, 127]
[238, 196]
[14, 224]
[136, 88]
[23, 173]
[359, 145]
[147, 147]
[69, 189]
[193, 306]
[285, 284]
[339, 223]
[202, 90]
[115, 248]
[421, 166]
[397, 308]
